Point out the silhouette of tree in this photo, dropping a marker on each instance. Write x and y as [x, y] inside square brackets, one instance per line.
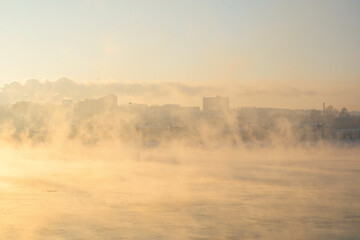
[344, 113]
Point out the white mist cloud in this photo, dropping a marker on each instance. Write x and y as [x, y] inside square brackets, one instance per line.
[185, 93]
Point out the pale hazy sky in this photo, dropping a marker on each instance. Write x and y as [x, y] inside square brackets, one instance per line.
[301, 44]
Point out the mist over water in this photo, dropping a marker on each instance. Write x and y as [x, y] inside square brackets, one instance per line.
[98, 169]
[176, 191]
[184, 120]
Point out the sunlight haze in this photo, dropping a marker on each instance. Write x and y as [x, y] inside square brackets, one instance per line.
[179, 119]
[296, 44]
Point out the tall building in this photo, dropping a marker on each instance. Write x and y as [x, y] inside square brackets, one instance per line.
[215, 104]
[90, 107]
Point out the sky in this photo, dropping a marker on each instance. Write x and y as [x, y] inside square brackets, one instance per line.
[303, 45]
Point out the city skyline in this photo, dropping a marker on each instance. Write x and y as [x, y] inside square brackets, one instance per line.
[183, 93]
[179, 119]
[281, 53]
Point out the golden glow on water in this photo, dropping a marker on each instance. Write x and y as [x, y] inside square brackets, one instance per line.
[229, 193]
[184, 120]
